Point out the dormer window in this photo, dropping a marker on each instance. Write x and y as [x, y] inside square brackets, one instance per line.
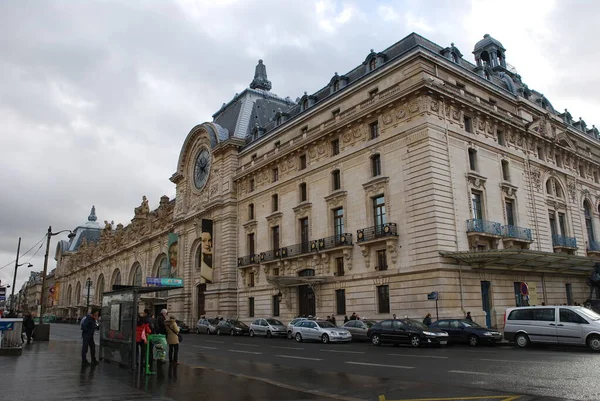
[305, 104]
[454, 57]
[279, 120]
[336, 86]
[372, 64]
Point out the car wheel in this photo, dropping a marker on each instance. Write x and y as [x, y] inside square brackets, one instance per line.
[415, 341]
[522, 340]
[231, 333]
[594, 343]
[289, 335]
[325, 339]
[375, 340]
[218, 332]
[208, 331]
[251, 333]
[299, 337]
[473, 340]
[197, 330]
[269, 334]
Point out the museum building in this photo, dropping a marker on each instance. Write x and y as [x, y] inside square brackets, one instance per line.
[417, 174]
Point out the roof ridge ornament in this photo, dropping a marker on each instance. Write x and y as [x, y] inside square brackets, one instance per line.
[260, 80]
[92, 216]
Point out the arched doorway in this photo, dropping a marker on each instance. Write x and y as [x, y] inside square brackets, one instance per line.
[201, 299]
[306, 296]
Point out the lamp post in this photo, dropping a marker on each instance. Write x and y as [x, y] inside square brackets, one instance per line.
[88, 284]
[14, 284]
[43, 330]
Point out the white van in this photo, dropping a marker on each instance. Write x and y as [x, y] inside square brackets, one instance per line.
[567, 325]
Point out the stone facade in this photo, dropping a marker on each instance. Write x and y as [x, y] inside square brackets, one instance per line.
[363, 197]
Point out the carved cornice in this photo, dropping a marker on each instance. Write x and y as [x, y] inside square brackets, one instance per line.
[508, 188]
[303, 209]
[250, 226]
[274, 219]
[476, 180]
[376, 185]
[336, 198]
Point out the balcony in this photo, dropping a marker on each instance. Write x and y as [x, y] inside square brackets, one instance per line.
[564, 244]
[483, 234]
[516, 237]
[335, 241]
[248, 260]
[370, 234]
[593, 248]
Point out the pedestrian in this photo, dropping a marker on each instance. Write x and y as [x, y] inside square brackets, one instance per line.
[468, 317]
[346, 320]
[353, 316]
[333, 320]
[161, 321]
[87, 334]
[427, 320]
[172, 339]
[328, 318]
[394, 316]
[28, 327]
[142, 330]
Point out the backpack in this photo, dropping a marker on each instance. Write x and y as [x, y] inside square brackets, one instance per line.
[83, 322]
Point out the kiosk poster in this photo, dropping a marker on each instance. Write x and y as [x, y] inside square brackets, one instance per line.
[206, 251]
[173, 241]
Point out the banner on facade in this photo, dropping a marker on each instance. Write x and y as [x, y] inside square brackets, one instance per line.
[164, 282]
[206, 252]
[173, 241]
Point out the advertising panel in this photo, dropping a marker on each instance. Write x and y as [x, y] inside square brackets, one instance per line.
[206, 251]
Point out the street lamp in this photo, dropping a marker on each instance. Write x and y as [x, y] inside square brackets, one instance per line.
[88, 284]
[43, 330]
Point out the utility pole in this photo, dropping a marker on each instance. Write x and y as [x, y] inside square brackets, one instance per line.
[88, 284]
[12, 307]
[49, 235]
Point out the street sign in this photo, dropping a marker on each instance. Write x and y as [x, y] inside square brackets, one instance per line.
[6, 326]
[164, 282]
[2, 298]
[432, 296]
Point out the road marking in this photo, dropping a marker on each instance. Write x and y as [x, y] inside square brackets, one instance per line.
[247, 345]
[341, 352]
[299, 357]
[516, 361]
[488, 397]
[296, 348]
[467, 372]
[421, 356]
[204, 346]
[380, 365]
[213, 341]
[244, 352]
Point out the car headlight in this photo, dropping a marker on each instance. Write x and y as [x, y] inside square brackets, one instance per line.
[429, 333]
[486, 333]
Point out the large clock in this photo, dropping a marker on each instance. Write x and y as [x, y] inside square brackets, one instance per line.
[202, 168]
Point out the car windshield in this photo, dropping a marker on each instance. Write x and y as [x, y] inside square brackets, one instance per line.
[274, 322]
[369, 323]
[590, 314]
[468, 323]
[237, 323]
[213, 321]
[415, 324]
[326, 325]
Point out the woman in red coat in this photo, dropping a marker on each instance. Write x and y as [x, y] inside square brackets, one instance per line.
[142, 330]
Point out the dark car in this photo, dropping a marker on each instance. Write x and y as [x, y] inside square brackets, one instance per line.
[232, 327]
[406, 331]
[183, 328]
[466, 331]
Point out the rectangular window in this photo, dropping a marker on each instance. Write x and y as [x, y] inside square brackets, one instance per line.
[340, 302]
[275, 237]
[582, 171]
[381, 260]
[383, 299]
[336, 180]
[304, 233]
[374, 130]
[251, 279]
[335, 147]
[376, 165]
[251, 244]
[274, 203]
[251, 211]
[339, 266]
[251, 307]
[596, 177]
[552, 220]
[558, 160]
[275, 174]
[302, 162]
[540, 153]
[476, 205]
[252, 185]
[510, 212]
[276, 271]
[275, 305]
[338, 222]
[505, 170]
[500, 137]
[562, 223]
[569, 290]
[468, 124]
[472, 159]
[303, 192]
[379, 212]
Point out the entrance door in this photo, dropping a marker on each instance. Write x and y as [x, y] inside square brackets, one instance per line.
[486, 302]
[158, 308]
[201, 288]
[306, 299]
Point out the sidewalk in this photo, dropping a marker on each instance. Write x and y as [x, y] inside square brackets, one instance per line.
[53, 372]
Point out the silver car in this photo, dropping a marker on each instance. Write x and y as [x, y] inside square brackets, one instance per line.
[267, 327]
[208, 326]
[320, 330]
[291, 325]
[359, 328]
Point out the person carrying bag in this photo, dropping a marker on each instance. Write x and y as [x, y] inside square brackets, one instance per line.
[173, 339]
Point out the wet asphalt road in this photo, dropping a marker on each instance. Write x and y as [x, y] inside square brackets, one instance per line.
[362, 371]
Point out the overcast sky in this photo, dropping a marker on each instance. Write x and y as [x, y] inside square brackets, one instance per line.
[96, 97]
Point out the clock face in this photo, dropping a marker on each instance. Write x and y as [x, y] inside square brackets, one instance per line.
[202, 168]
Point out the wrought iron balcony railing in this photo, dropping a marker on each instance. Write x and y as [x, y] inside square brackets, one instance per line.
[379, 231]
[593, 246]
[484, 227]
[517, 233]
[248, 260]
[564, 241]
[331, 242]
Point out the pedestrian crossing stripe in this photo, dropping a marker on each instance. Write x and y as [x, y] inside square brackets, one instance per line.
[482, 398]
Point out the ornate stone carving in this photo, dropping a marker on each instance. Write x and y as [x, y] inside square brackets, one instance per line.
[476, 180]
[387, 119]
[325, 259]
[535, 176]
[335, 199]
[364, 249]
[391, 249]
[508, 189]
[143, 209]
[347, 252]
[243, 277]
[414, 105]
[376, 186]
[400, 113]
[274, 219]
[250, 226]
[302, 209]
[572, 189]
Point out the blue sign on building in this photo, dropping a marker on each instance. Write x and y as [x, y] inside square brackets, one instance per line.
[164, 282]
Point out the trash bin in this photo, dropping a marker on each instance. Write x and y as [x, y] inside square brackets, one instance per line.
[11, 342]
[157, 344]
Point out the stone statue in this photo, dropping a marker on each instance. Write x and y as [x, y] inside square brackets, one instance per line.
[143, 209]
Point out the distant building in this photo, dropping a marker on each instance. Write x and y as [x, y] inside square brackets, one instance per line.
[415, 172]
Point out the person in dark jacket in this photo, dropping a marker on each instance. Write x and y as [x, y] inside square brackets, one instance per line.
[427, 320]
[468, 317]
[88, 328]
[28, 326]
[160, 322]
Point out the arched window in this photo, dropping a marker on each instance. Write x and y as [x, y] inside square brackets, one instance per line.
[336, 86]
[70, 295]
[78, 294]
[587, 211]
[100, 289]
[372, 64]
[553, 188]
[136, 276]
[116, 277]
[454, 57]
[163, 271]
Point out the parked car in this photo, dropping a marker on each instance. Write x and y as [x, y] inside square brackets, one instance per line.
[183, 328]
[232, 327]
[566, 325]
[291, 325]
[208, 326]
[359, 328]
[267, 327]
[406, 331]
[320, 330]
[466, 331]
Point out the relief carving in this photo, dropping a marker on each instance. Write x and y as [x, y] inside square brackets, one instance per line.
[400, 113]
[347, 252]
[387, 119]
[391, 250]
[572, 188]
[364, 249]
